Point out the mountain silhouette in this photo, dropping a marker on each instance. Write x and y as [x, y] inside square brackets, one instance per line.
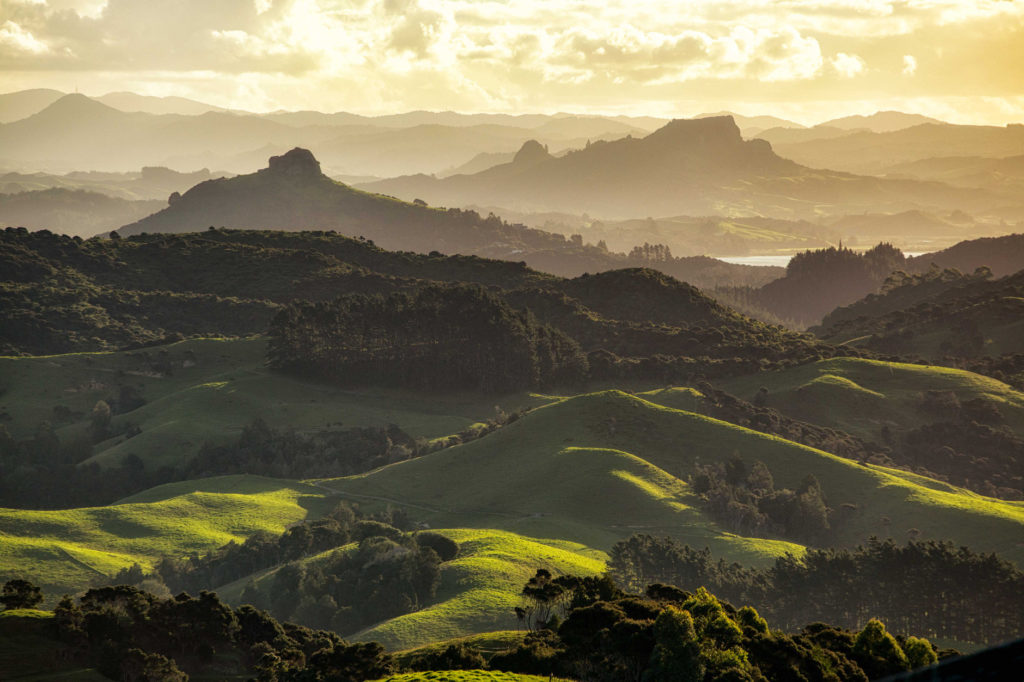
[687, 167]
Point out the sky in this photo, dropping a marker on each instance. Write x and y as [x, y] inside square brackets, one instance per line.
[803, 60]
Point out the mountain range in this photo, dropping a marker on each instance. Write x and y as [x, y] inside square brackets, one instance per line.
[692, 167]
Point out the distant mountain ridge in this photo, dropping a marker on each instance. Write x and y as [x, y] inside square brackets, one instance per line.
[687, 167]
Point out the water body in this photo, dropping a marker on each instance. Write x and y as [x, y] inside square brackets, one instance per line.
[780, 261]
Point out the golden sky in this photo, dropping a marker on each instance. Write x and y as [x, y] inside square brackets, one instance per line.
[805, 60]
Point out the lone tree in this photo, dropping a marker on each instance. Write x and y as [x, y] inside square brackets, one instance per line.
[20, 594]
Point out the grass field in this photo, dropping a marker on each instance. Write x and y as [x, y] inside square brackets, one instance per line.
[861, 396]
[216, 388]
[66, 550]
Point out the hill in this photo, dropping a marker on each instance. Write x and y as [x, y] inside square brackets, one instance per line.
[817, 282]
[74, 212]
[626, 449]
[478, 592]
[68, 550]
[696, 167]
[292, 193]
[233, 281]
[874, 152]
[937, 315]
[18, 105]
[880, 121]
[1002, 255]
[151, 182]
[940, 422]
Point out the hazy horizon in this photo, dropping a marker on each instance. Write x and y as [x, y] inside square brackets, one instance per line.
[803, 61]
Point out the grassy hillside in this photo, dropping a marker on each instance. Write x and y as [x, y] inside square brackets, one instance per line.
[208, 389]
[479, 588]
[861, 396]
[598, 467]
[67, 550]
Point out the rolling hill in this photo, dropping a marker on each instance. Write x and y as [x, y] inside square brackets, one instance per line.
[632, 451]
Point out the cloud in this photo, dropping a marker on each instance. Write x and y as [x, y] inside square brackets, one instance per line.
[16, 39]
[386, 55]
[848, 65]
[909, 65]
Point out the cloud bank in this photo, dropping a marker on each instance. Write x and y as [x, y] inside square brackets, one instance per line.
[663, 57]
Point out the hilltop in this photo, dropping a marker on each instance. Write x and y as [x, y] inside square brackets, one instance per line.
[697, 167]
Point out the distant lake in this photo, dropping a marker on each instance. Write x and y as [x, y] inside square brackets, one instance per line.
[780, 261]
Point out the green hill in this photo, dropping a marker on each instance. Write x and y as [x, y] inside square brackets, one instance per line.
[555, 488]
[479, 589]
[207, 390]
[598, 467]
[67, 550]
[859, 396]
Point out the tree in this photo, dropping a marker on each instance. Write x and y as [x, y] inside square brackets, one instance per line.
[20, 594]
[100, 421]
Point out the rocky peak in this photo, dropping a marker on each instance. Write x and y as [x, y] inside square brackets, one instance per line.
[297, 162]
[714, 131]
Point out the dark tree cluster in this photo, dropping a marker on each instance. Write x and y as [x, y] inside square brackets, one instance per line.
[747, 502]
[439, 337]
[286, 453]
[969, 444]
[387, 574]
[597, 632]
[262, 550]
[932, 588]
[128, 634]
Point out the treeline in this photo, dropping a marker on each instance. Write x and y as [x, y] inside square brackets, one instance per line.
[439, 337]
[931, 588]
[583, 628]
[127, 634]
[589, 629]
